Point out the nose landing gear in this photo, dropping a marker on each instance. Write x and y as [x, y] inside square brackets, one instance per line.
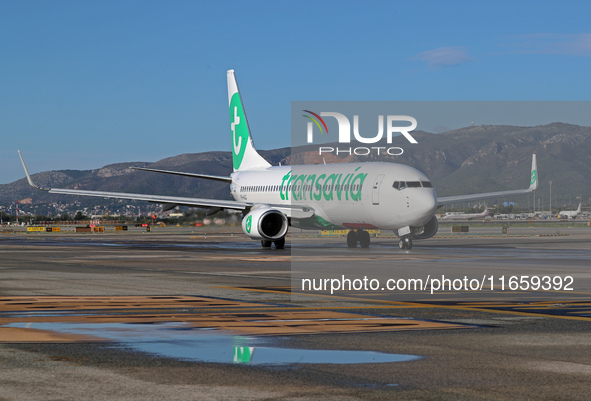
[405, 243]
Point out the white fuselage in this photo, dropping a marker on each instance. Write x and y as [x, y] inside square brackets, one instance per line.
[570, 214]
[464, 216]
[351, 195]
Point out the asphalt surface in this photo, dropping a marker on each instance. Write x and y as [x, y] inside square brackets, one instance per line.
[471, 345]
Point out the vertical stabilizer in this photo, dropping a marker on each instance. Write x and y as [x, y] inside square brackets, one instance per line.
[533, 183]
[244, 154]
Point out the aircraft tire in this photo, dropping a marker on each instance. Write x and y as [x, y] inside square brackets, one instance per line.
[364, 238]
[266, 244]
[280, 243]
[401, 244]
[408, 243]
[352, 239]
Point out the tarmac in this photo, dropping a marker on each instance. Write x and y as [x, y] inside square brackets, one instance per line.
[179, 313]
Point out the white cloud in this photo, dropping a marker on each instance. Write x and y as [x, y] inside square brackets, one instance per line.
[551, 43]
[444, 56]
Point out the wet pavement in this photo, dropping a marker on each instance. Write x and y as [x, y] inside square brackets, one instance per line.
[179, 316]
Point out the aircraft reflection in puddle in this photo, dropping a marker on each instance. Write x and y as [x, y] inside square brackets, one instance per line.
[183, 342]
[243, 354]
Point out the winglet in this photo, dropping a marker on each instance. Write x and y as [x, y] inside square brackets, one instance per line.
[28, 175]
[533, 183]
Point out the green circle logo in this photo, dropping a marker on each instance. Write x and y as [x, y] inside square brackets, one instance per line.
[534, 176]
[248, 224]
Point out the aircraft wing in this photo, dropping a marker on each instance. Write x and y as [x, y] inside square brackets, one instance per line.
[174, 200]
[296, 211]
[446, 200]
[207, 177]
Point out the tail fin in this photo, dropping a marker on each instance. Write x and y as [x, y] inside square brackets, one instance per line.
[533, 184]
[244, 155]
[579, 208]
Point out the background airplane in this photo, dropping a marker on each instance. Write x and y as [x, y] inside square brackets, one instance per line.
[465, 216]
[569, 214]
[355, 196]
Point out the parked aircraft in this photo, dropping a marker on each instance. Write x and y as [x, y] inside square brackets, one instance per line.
[465, 216]
[355, 196]
[570, 214]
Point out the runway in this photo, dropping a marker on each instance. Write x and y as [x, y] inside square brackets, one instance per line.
[182, 315]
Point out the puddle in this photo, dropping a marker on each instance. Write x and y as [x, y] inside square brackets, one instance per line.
[183, 342]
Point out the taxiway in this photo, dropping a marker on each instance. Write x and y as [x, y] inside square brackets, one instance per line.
[180, 315]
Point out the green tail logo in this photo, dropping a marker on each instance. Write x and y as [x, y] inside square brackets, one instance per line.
[534, 177]
[239, 128]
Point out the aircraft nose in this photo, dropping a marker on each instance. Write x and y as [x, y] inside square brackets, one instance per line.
[427, 202]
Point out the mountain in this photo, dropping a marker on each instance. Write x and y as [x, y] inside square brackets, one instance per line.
[467, 160]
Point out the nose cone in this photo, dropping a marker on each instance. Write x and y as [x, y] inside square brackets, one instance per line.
[426, 203]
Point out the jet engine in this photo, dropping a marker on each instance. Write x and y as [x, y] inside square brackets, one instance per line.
[265, 224]
[427, 231]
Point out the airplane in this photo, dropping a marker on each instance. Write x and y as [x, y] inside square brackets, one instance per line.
[570, 214]
[465, 216]
[355, 196]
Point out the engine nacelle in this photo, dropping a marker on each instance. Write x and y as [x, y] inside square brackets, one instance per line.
[427, 231]
[265, 223]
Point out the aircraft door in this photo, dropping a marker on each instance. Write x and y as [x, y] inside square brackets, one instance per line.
[375, 196]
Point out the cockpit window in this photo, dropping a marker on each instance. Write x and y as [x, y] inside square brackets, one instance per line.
[399, 185]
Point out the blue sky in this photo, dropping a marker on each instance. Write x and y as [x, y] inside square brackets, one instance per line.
[85, 84]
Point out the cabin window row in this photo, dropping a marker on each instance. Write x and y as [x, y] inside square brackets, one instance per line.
[400, 185]
[308, 187]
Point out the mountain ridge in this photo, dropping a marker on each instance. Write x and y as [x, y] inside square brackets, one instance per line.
[466, 160]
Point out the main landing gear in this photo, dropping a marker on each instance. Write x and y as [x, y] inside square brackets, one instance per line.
[405, 243]
[359, 236]
[279, 244]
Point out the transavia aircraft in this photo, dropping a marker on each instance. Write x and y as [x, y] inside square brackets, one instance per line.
[355, 196]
